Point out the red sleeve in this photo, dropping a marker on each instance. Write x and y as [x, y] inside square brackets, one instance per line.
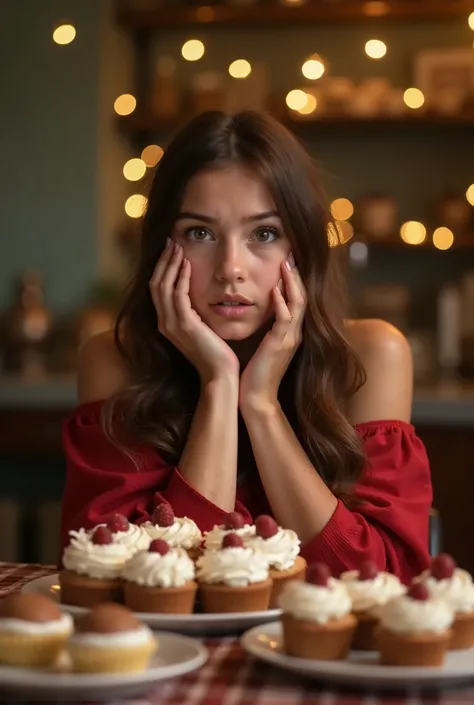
[102, 480]
[390, 525]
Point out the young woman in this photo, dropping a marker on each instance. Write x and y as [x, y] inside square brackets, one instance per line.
[234, 381]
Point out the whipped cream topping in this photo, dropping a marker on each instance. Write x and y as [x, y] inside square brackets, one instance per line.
[236, 567]
[315, 603]
[213, 538]
[63, 625]
[174, 569]
[404, 615]
[368, 595]
[183, 532]
[280, 550]
[458, 590]
[135, 538]
[134, 637]
[96, 561]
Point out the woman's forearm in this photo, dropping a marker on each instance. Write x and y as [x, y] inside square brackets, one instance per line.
[209, 459]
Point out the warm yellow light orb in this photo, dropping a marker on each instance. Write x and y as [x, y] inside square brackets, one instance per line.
[64, 34]
[375, 48]
[152, 154]
[413, 98]
[134, 169]
[297, 99]
[413, 233]
[313, 68]
[192, 50]
[135, 205]
[342, 209]
[470, 194]
[240, 68]
[125, 104]
[311, 105]
[470, 20]
[443, 238]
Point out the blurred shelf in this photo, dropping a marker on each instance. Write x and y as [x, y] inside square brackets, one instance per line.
[343, 11]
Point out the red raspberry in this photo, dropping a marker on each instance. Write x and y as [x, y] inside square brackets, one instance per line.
[163, 515]
[418, 591]
[368, 570]
[442, 566]
[118, 522]
[318, 574]
[159, 546]
[232, 541]
[234, 520]
[266, 526]
[102, 536]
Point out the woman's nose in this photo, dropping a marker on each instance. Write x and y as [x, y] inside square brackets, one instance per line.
[231, 263]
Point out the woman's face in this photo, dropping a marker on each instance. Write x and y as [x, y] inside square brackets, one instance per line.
[234, 239]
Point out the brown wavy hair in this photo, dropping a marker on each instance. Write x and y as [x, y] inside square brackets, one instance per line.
[158, 407]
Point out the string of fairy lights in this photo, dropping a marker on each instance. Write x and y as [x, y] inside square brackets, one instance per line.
[298, 100]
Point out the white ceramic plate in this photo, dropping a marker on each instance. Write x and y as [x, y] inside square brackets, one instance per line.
[176, 655]
[360, 668]
[184, 624]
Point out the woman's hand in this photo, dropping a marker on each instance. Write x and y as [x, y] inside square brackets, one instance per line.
[180, 323]
[261, 378]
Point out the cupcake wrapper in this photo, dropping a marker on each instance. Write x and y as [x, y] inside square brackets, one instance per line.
[463, 631]
[412, 650]
[223, 598]
[178, 600]
[82, 591]
[31, 650]
[87, 659]
[281, 577]
[324, 642]
[364, 635]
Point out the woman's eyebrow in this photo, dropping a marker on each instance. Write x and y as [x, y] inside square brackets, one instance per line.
[189, 215]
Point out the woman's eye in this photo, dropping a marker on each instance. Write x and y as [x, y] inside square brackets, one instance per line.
[197, 234]
[266, 235]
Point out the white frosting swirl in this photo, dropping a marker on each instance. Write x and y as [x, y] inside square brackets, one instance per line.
[183, 532]
[404, 615]
[213, 538]
[96, 561]
[280, 550]
[135, 538]
[63, 625]
[133, 637]
[235, 566]
[315, 603]
[149, 568]
[367, 595]
[458, 590]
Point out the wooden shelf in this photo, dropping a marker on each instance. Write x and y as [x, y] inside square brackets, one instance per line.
[319, 12]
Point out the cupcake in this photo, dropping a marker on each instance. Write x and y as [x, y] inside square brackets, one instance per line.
[160, 579]
[110, 639]
[92, 568]
[317, 620]
[369, 588]
[234, 523]
[281, 548]
[447, 582]
[134, 537]
[177, 532]
[414, 629]
[33, 630]
[234, 578]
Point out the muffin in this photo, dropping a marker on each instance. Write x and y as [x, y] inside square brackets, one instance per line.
[110, 639]
[234, 523]
[317, 620]
[160, 579]
[134, 537]
[414, 629]
[234, 578]
[92, 568]
[281, 548]
[177, 532]
[33, 630]
[446, 581]
[368, 589]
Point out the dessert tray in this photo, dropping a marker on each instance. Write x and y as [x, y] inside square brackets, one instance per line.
[360, 668]
[197, 623]
[176, 656]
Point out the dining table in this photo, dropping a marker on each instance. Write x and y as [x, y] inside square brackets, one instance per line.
[232, 677]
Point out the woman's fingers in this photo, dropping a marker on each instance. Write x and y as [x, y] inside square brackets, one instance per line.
[167, 285]
[283, 317]
[181, 293]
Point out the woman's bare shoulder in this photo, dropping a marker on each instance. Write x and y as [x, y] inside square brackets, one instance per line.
[101, 370]
[386, 357]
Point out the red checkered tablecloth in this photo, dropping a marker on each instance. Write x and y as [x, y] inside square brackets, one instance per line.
[230, 677]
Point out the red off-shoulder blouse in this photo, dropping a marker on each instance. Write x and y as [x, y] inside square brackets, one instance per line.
[389, 526]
